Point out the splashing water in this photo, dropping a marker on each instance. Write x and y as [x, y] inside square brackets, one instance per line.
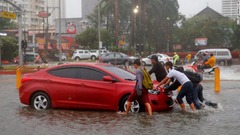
[227, 73]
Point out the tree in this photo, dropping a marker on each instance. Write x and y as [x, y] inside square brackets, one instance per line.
[89, 38]
[154, 20]
[218, 32]
[9, 48]
[8, 44]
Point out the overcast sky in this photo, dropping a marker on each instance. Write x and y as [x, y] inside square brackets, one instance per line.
[73, 8]
[187, 7]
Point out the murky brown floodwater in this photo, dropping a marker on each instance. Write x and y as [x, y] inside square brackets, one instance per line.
[17, 119]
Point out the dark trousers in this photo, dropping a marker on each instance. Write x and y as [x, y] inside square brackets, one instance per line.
[186, 90]
[204, 67]
[197, 95]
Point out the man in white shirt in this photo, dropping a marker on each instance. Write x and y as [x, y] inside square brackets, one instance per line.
[187, 86]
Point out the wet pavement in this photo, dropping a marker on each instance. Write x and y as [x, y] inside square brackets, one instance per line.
[16, 118]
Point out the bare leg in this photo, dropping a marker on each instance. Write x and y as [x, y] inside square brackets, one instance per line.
[149, 108]
[129, 104]
[192, 106]
[182, 106]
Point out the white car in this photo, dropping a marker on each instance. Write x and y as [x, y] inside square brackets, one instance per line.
[81, 54]
[95, 53]
[163, 58]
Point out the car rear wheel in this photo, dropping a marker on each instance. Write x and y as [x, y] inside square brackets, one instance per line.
[222, 63]
[126, 63]
[77, 58]
[40, 101]
[135, 107]
[93, 58]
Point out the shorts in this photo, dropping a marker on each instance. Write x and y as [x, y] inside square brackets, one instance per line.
[134, 96]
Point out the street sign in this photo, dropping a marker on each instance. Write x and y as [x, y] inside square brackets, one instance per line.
[9, 15]
[43, 14]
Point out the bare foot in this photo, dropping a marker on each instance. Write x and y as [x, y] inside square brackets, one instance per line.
[123, 113]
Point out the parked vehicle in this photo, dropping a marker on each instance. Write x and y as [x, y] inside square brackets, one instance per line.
[223, 56]
[31, 57]
[89, 86]
[95, 53]
[81, 54]
[56, 57]
[163, 58]
[115, 58]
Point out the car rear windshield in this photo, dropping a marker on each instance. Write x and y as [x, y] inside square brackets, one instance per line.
[120, 72]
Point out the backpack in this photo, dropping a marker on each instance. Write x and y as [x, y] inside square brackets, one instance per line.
[147, 81]
[193, 77]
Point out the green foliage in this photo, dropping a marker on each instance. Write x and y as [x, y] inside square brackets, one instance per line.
[151, 26]
[218, 32]
[9, 48]
[89, 38]
[7, 23]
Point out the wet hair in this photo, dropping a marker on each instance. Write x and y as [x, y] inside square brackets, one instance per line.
[169, 63]
[211, 54]
[137, 62]
[154, 57]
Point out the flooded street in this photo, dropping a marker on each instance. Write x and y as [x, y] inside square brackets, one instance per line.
[16, 118]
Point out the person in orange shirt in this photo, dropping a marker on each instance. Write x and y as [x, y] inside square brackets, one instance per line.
[209, 63]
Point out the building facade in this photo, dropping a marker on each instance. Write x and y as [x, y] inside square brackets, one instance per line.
[230, 8]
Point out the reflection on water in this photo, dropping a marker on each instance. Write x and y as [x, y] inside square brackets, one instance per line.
[16, 118]
[64, 122]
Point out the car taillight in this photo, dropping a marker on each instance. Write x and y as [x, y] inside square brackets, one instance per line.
[167, 59]
[25, 79]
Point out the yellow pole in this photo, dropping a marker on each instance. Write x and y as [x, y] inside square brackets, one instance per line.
[217, 79]
[18, 78]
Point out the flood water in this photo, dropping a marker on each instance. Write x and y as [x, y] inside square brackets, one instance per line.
[16, 118]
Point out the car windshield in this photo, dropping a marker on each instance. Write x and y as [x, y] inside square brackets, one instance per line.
[120, 73]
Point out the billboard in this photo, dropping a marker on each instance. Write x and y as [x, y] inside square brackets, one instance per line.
[71, 28]
[201, 41]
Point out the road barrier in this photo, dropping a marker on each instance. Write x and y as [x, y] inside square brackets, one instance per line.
[19, 70]
[217, 79]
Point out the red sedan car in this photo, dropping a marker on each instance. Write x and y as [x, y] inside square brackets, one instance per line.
[85, 86]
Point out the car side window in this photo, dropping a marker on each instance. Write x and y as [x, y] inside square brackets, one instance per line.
[67, 72]
[86, 52]
[111, 55]
[80, 51]
[91, 74]
[118, 56]
[222, 53]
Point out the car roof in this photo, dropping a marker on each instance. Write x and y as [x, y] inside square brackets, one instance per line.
[91, 64]
[219, 49]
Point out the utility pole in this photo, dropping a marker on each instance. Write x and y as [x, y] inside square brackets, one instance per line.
[116, 22]
[60, 34]
[46, 35]
[99, 30]
[19, 30]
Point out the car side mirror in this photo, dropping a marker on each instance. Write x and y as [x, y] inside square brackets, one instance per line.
[108, 79]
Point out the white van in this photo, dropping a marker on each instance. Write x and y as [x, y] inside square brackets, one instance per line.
[223, 56]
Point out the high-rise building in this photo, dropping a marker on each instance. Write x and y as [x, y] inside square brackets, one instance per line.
[230, 8]
[53, 9]
[87, 7]
[30, 9]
